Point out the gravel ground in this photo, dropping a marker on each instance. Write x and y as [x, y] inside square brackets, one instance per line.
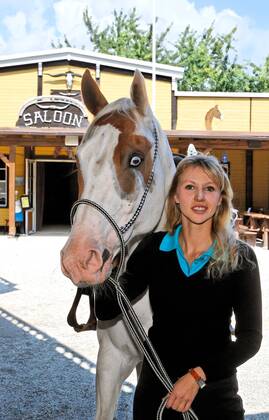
[47, 371]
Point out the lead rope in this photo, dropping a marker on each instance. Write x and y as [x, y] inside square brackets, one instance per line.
[131, 319]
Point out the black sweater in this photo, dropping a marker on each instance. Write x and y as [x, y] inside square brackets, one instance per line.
[191, 315]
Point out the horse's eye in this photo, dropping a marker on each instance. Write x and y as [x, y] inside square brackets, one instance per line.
[135, 161]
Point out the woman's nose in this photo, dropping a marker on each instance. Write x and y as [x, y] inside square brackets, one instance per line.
[199, 194]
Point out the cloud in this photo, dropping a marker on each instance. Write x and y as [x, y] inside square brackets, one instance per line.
[69, 21]
[184, 12]
[35, 27]
[2, 44]
[26, 31]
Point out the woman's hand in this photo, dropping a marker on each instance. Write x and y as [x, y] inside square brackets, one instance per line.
[184, 391]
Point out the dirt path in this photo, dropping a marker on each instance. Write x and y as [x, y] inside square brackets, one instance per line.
[46, 370]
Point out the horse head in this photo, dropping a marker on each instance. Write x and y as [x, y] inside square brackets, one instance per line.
[212, 113]
[217, 113]
[115, 159]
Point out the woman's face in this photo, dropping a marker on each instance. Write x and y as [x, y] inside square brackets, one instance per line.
[198, 195]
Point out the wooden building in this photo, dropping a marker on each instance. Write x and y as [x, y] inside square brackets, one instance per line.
[234, 124]
[42, 120]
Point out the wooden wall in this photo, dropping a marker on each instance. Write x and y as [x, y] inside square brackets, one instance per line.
[16, 88]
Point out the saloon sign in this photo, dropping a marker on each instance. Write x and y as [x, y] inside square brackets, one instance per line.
[52, 111]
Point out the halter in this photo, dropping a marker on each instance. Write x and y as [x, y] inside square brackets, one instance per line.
[123, 229]
[133, 323]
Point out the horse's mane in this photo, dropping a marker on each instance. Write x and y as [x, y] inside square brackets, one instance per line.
[124, 106]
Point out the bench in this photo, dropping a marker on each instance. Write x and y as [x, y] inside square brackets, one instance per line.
[249, 236]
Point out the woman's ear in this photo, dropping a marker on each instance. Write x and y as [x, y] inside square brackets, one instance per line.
[176, 199]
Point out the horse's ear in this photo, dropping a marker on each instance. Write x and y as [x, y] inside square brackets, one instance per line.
[91, 94]
[139, 93]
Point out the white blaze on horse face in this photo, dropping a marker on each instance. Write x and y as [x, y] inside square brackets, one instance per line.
[101, 183]
[91, 235]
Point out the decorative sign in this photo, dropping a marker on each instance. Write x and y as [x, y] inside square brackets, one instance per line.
[25, 202]
[53, 111]
[76, 94]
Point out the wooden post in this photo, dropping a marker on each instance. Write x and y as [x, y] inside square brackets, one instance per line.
[39, 79]
[173, 110]
[249, 178]
[11, 188]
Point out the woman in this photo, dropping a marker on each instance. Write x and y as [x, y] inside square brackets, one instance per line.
[198, 274]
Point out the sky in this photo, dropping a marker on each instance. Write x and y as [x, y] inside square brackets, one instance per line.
[32, 25]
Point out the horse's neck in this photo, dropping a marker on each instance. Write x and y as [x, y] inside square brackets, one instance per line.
[208, 119]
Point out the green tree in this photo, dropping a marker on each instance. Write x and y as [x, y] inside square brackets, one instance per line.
[210, 62]
[260, 77]
[62, 44]
[125, 37]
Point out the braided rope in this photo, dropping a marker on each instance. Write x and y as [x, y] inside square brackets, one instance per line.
[130, 317]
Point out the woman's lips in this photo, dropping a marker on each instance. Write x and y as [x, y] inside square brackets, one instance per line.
[199, 209]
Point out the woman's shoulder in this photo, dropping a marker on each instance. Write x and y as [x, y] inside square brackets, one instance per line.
[153, 238]
[151, 241]
[246, 253]
[147, 248]
[244, 248]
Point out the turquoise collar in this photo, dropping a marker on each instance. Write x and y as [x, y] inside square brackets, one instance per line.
[171, 242]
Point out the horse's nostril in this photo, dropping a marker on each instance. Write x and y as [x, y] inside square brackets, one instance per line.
[105, 255]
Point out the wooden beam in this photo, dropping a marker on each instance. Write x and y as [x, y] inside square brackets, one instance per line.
[173, 110]
[42, 141]
[249, 178]
[39, 79]
[218, 144]
[4, 159]
[11, 191]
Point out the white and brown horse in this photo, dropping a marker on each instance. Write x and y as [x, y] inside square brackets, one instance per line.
[116, 158]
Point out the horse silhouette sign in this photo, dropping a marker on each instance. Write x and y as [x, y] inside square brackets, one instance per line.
[212, 113]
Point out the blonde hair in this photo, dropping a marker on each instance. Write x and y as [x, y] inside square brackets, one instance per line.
[226, 255]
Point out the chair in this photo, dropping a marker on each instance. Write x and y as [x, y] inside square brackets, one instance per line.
[244, 233]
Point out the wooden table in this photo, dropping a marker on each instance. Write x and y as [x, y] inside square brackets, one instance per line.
[259, 222]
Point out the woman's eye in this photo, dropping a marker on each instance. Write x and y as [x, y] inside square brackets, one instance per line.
[210, 188]
[135, 161]
[189, 187]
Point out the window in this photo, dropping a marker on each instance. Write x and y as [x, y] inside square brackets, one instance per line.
[3, 184]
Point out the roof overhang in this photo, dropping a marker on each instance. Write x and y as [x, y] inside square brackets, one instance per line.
[222, 140]
[233, 95]
[23, 136]
[89, 57]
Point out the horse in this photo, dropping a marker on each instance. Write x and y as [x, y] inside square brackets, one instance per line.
[123, 154]
[212, 113]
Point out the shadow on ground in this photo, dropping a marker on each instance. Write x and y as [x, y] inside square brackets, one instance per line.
[43, 379]
[6, 286]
